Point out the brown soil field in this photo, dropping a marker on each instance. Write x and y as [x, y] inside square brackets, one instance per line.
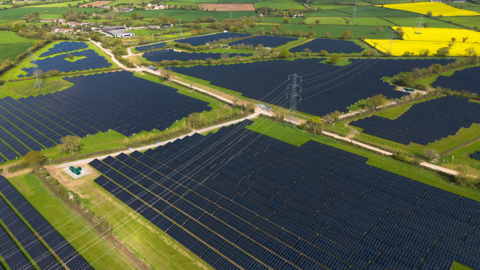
[226, 7]
[97, 3]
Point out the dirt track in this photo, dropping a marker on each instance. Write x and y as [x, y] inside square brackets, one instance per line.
[226, 7]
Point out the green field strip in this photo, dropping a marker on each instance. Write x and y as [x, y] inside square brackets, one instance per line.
[15, 240]
[62, 53]
[220, 220]
[33, 230]
[3, 264]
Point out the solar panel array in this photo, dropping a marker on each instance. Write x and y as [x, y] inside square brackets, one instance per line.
[260, 203]
[30, 240]
[461, 80]
[64, 47]
[92, 61]
[159, 56]
[424, 122]
[329, 45]
[476, 155]
[95, 103]
[326, 87]
[150, 47]
[202, 40]
[266, 41]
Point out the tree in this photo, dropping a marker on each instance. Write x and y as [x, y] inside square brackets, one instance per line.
[35, 157]
[378, 29]
[445, 51]
[376, 101]
[134, 16]
[285, 53]
[454, 39]
[347, 34]
[326, 35]
[334, 59]
[316, 120]
[140, 16]
[464, 39]
[424, 52]
[367, 53]
[470, 51]
[400, 32]
[260, 31]
[323, 53]
[307, 51]
[348, 22]
[426, 24]
[430, 154]
[70, 144]
[287, 33]
[311, 34]
[225, 56]
[297, 33]
[166, 74]
[373, 52]
[436, 68]
[429, 13]
[405, 79]
[70, 56]
[286, 20]
[317, 21]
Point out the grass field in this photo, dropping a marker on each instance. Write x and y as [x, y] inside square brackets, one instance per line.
[334, 30]
[10, 51]
[380, 12]
[373, 21]
[63, 4]
[25, 88]
[73, 228]
[328, 13]
[17, 13]
[298, 137]
[279, 4]
[466, 6]
[412, 22]
[326, 20]
[471, 22]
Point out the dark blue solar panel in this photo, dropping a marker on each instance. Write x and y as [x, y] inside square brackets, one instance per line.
[202, 40]
[266, 41]
[159, 56]
[325, 87]
[92, 61]
[424, 122]
[150, 47]
[329, 45]
[332, 209]
[64, 47]
[461, 80]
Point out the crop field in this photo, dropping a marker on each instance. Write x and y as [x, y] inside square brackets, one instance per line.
[222, 209]
[10, 51]
[415, 48]
[335, 31]
[441, 34]
[280, 4]
[97, 4]
[17, 13]
[380, 12]
[374, 21]
[436, 8]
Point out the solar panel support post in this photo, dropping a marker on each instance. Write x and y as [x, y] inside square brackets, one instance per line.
[292, 116]
[419, 26]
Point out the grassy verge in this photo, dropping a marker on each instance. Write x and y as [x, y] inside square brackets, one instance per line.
[298, 137]
[25, 88]
[74, 229]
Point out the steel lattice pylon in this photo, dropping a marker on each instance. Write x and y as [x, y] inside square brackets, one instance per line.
[38, 81]
[292, 116]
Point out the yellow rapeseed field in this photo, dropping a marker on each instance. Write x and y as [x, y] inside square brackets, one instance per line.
[415, 48]
[436, 8]
[440, 34]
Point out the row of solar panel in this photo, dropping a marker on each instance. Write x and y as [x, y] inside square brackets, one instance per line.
[424, 122]
[64, 47]
[29, 240]
[324, 87]
[452, 198]
[36, 123]
[202, 40]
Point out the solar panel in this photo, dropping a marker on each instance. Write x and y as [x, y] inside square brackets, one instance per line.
[461, 80]
[266, 41]
[64, 47]
[202, 40]
[150, 47]
[329, 45]
[325, 87]
[161, 55]
[330, 210]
